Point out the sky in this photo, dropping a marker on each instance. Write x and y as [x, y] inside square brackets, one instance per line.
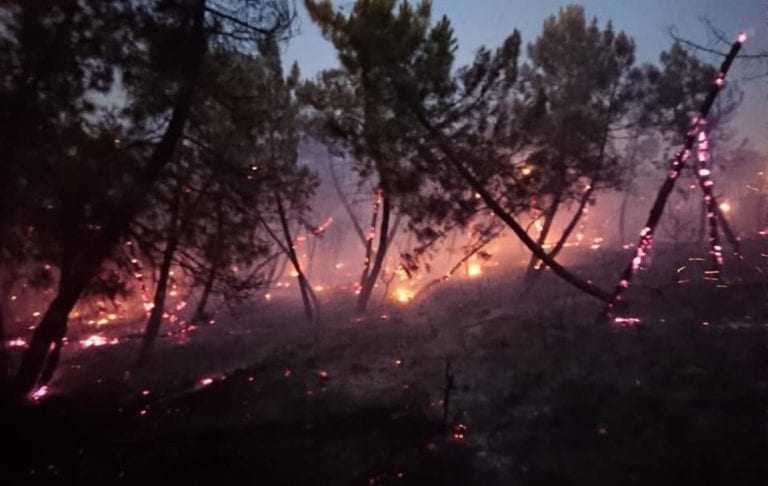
[488, 22]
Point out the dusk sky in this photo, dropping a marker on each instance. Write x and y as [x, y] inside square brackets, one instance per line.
[487, 22]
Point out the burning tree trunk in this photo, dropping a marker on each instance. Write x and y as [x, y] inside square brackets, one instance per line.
[76, 275]
[368, 240]
[662, 196]
[369, 278]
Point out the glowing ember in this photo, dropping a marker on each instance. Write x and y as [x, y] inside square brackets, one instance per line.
[474, 270]
[627, 321]
[17, 343]
[206, 381]
[39, 394]
[459, 432]
[145, 393]
[743, 37]
[323, 374]
[725, 207]
[404, 295]
[96, 340]
[287, 372]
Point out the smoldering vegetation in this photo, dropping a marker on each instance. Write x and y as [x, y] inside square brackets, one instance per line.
[542, 264]
[465, 385]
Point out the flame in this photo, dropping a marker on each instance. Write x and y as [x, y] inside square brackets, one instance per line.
[474, 269]
[725, 206]
[404, 295]
[96, 340]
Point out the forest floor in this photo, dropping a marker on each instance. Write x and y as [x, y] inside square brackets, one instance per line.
[466, 385]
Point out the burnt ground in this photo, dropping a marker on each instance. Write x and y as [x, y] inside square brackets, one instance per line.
[538, 392]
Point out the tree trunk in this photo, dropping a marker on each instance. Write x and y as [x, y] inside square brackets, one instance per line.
[53, 325]
[573, 223]
[456, 162]
[48, 335]
[368, 242]
[7, 280]
[200, 315]
[345, 202]
[4, 316]
[550, 218]
[531, 282]
[156, 315]
[367, 288]
[51, 363]
[307, 296]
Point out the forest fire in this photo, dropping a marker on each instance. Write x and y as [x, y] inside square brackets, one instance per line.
[404, 257]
